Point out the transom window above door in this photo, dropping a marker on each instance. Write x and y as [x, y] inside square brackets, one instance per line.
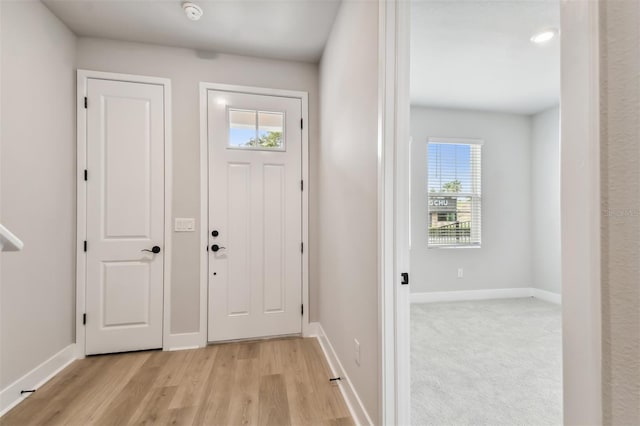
[256, 130]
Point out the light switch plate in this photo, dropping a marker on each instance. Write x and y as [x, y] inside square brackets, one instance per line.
[185, 224]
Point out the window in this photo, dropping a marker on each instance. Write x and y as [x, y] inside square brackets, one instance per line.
[454, 192]
[260, 130]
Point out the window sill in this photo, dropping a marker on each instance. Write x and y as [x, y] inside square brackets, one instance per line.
[455, 247]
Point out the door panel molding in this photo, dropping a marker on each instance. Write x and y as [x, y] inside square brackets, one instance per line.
[204, 195]
[83, 77]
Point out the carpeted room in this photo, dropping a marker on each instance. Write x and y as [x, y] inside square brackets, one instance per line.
[485, 215]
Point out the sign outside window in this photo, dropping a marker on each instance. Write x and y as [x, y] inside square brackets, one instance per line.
[443, 204]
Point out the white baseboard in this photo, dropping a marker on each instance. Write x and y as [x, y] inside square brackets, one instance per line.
[497, 293]
[312, 330]
[547, 296]
[34, 379]
[455, 296]
[182, 341]
[358, 412]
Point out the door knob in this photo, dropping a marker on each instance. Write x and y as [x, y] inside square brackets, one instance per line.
[154, 249]
[216, 247]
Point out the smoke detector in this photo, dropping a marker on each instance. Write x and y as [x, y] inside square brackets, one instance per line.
[192, 10]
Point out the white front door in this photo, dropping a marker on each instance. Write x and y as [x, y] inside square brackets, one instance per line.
[125, 216]
[255, 215]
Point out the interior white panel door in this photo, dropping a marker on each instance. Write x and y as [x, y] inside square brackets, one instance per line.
[125, 216]
[255, 215]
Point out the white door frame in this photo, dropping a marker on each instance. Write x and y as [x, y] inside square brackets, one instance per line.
[581, 211]
[204, 195]
[393, 209]
[81, 198]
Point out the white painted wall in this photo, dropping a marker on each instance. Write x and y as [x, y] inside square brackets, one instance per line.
[504, 260]
[347, 199]
[620, 190]
[545, 193]
[37, 187]
[187, 68]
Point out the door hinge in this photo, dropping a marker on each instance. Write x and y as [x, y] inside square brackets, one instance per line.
[301, 185]
[86, 102]
[86, 174]
[405, 278]
[85, 245]
[301, 247]
[84, 319]
[302, 123]
[301, 309]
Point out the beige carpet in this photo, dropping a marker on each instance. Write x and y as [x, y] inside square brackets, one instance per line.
[493, 362]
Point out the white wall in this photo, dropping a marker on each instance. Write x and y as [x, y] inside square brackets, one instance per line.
[620, 190]
[187, 68]
[545, 193]
[503, 261]
[347, 203]
[37, 187]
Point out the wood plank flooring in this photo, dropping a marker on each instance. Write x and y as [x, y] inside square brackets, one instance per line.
[268, 382]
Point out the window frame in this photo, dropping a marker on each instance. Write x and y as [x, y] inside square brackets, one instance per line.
[476, 196]
[282, 148]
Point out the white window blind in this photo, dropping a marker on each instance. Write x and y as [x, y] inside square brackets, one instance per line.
[454, 174]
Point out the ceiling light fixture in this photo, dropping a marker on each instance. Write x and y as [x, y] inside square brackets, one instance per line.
[192, 10]
[544, 36]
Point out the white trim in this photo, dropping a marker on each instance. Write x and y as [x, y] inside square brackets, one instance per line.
[580, 212]
[458, 247]
[313, 330]
[393, 210]
[306, 329]
[252, 90]
[168, 209]
[81, 197]
[182, 341]
[34, 379]
[455, 141]
[81, 210]
[547, 296]
[403, 212]
[485, 294]
[204, 215]
[455, 296]
[351, 398]
[386, 286]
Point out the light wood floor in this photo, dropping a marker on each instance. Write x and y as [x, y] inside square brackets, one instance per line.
[269, 382]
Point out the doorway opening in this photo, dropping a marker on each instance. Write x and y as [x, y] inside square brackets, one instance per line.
[579, 212]
[486, 338]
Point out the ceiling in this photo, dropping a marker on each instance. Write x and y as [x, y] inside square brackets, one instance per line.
[478, 55]
[280, 29]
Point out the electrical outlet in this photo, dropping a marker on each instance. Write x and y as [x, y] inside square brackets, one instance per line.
[460, 272]
[356, 347]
